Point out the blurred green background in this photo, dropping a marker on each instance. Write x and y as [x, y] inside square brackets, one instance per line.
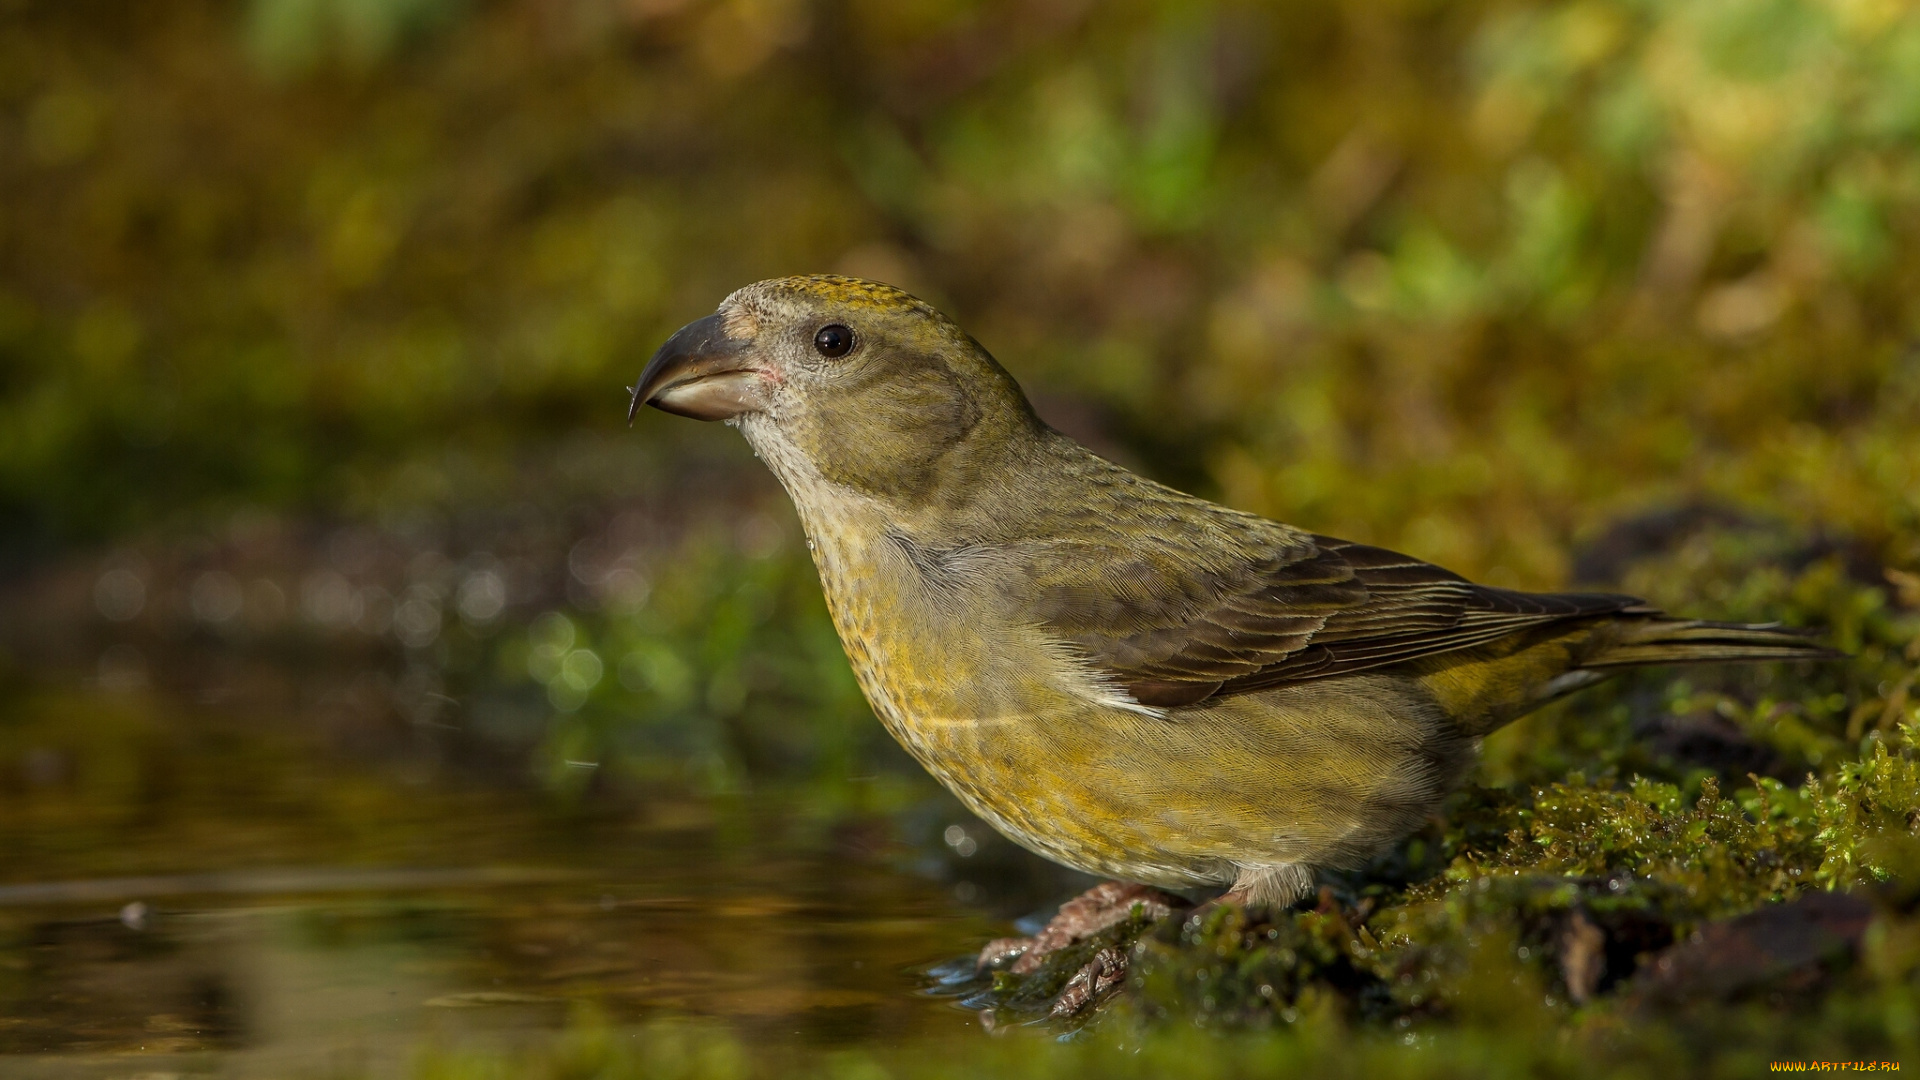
[315, 318]
[1466, 278]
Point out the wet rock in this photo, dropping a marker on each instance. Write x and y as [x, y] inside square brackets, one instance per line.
[1790, 946]
[1711, 742]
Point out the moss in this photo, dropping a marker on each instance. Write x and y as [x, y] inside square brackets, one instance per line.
[1870, 803]
[1234, 968]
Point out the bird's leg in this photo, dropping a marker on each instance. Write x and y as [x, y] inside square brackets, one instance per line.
[1110, 903]
[1104, 905]
[1272, 887]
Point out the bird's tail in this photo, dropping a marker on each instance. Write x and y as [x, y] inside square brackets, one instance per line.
[1691, 641]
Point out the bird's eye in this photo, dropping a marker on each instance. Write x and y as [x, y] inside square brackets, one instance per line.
[833, 340]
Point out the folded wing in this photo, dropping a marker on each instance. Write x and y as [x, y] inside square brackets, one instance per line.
[1301, 607]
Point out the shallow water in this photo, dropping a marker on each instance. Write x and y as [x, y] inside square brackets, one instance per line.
[200, 887]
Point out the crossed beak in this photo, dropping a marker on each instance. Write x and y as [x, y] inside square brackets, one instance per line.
[703, 373]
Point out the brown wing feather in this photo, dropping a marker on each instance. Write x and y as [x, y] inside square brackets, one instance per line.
[1308, 608]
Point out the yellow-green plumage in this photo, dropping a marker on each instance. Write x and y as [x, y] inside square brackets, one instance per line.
[1123, 678]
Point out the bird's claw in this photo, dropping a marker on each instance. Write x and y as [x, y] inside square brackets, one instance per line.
[1106, 970]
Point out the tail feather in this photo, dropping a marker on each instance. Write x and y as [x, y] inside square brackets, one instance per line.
[1690, 641]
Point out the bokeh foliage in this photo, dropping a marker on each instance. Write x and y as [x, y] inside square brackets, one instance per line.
[1467, 279]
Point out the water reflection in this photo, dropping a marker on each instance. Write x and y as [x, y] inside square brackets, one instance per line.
[275, 907]
[193, 881]
[377, 972]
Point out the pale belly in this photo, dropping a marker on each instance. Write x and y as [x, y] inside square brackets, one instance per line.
[1317, 774]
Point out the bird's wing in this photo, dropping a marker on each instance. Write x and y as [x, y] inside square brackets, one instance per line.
[1303, 607]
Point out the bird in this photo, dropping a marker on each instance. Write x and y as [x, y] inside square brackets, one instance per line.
[1131, 681]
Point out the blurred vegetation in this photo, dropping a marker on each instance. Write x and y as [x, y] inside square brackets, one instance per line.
[1465, 279]
[1603, 290]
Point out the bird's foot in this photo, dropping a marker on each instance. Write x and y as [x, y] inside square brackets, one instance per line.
[1106, 904]
[1085, 916]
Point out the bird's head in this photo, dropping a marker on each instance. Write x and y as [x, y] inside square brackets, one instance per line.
[874, 388]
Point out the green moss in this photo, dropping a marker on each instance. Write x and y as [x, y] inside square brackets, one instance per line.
[1232, 968]
[1871, 802]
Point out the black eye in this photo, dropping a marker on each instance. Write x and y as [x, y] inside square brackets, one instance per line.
[833, 340]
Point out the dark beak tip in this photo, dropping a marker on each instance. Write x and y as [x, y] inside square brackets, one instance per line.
[698, 341]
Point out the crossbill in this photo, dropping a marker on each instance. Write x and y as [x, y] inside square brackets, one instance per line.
[1131, 681]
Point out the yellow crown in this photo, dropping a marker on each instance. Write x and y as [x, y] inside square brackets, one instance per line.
[853, 292]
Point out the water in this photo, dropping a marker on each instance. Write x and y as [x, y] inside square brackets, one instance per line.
[220, 855]
[184, 886]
